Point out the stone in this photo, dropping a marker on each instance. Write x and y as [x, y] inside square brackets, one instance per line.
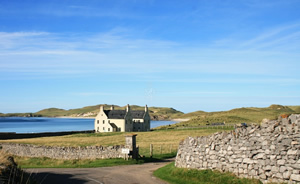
[292, 152]
[279, 175]
[260, 155]
[240, 170]
[272, 157]
[274, 169]
[229, 153]
[280, 162]
[282, 169]
[295, 177]
[286, 141]
[287, 174]
[268, 168]
[238, 160]
[263, 176]
[272, 147]
[248, 161]
[264, 143]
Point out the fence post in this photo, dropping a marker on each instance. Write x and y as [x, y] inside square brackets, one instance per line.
[151, 150]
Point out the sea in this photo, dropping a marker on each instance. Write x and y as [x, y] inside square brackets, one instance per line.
[42, 124]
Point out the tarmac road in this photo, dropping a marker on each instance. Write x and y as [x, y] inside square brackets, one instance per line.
[129, 174]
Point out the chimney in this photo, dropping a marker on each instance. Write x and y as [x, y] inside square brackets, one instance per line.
[127, 108]
[101, 108]
[146, 108]
[112, 107]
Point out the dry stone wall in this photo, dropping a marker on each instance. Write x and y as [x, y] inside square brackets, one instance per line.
[89, 152]
[269, 152]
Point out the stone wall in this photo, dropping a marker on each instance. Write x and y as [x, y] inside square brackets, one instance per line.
[269, 152]
[89, 152]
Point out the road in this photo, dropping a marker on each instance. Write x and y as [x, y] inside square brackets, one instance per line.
[128, 174]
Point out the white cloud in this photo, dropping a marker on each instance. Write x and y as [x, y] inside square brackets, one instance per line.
[119, 52]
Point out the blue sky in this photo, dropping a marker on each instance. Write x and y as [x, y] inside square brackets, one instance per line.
[190, 55]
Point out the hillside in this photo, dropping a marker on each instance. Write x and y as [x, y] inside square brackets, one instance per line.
[197, 118]
[156, 113]
[234, 116]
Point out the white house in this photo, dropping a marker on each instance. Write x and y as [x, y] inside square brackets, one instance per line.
[122, 120]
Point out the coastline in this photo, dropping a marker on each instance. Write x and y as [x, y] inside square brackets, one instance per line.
[71, 117]
[180, 120]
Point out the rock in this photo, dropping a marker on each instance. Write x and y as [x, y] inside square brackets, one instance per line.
[287, 174]
[295, 177]
[268, 168]
[263, 176]
[248, 161]
[279, 175]
[260, 155]
[280, 162]
[282, 169]
[275, 169]
[292, 152]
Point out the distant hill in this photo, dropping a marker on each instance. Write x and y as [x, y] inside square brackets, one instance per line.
[197, 118]
[239, 115]
[156, 113]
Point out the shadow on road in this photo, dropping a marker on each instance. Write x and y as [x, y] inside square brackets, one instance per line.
[50, 178]
[149, 160]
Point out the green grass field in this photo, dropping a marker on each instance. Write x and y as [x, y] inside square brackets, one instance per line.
[235, 116]
[175, 175]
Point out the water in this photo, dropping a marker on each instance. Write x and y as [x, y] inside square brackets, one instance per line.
[37, 125]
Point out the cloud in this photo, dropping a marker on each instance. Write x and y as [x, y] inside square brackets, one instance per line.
[120, 53]
[277, 37]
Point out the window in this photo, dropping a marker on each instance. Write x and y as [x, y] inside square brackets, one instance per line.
[109, 129]
[103, 121]
[119, 129]
[97, 129]
[125, 121]
[97, 121]
[108, 121]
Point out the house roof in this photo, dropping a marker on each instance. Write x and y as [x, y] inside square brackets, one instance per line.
[120, 114]
[138, 114]
[115, 114]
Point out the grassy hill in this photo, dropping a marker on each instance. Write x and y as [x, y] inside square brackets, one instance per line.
[156, 113]
[198, 118]
[234, 116]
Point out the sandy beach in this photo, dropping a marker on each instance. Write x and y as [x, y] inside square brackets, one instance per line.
[180, 120]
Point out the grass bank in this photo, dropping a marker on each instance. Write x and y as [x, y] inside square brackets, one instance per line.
[163, 141]
[165, 144]
[175, 175]
[25, 162]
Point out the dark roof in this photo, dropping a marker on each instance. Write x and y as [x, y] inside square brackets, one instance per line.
[115, 114]
[138, 114]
